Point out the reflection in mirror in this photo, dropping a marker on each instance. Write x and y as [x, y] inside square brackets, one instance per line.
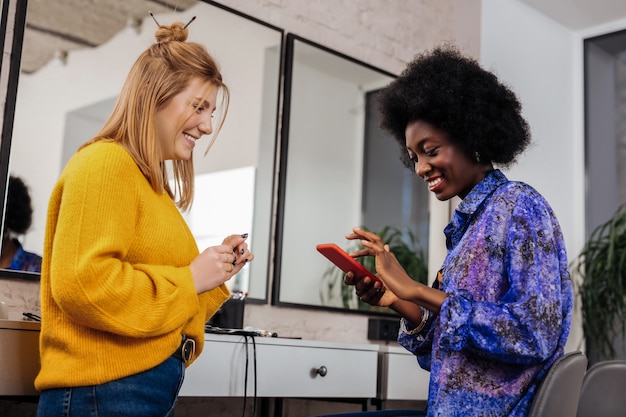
[18, 216]
[338, 170]
[64, 103]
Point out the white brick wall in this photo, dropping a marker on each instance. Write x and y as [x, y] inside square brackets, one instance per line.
[383, 33]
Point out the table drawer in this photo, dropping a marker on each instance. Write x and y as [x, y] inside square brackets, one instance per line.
[289, 370]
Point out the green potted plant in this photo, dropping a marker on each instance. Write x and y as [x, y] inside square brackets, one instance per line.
[602, 288]
[406, 248]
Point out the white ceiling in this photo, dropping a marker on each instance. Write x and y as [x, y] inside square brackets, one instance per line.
[581, 14]
[64, 25]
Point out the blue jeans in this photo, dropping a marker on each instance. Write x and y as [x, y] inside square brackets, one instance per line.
[152, 393]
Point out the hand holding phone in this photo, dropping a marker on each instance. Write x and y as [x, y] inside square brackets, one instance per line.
[344, 261]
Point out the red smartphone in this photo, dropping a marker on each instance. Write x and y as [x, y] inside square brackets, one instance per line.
[344, 261]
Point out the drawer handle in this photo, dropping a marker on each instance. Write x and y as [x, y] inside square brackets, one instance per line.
[321, 371]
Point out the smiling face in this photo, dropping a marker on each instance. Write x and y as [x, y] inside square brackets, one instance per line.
[448, 171]
[196, 108]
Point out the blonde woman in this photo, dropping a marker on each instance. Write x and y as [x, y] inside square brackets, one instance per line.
[125, 292]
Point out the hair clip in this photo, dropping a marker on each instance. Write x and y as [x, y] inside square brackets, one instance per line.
[154, 18]
[188, 23]
[184, 27]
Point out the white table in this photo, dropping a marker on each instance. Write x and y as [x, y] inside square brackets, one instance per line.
[19, 357]
[285, 368]
[401, 377]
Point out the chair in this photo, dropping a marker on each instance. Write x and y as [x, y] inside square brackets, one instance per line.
[603, 392]
[557, 396]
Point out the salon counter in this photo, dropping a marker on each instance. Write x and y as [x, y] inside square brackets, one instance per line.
[266, 367]
[19, 357]
[400, 376]
[279, 367]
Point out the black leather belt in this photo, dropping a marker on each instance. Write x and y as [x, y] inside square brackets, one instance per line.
[186, 350]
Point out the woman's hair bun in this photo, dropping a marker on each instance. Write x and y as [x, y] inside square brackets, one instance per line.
[176, 32]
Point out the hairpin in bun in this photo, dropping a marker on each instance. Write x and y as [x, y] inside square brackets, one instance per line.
[188, 23]
[184, 27]
[154, 18]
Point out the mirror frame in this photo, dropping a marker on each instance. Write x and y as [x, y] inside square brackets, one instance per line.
[288, 69]
[15, 11]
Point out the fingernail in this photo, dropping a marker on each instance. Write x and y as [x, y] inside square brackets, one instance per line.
[245, 235]
[242, 251]
[234, 262]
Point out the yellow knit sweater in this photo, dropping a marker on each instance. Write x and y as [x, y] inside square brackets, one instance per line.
[116, 288]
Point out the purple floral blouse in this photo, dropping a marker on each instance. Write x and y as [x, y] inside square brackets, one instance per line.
[508, 311]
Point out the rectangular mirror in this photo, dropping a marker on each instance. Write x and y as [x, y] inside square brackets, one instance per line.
[338, 170]
[75, 59]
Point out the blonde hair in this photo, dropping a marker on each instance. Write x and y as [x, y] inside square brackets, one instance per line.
[161, 72]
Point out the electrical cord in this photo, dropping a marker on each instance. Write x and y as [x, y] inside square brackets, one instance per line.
[32, 316]
[246, 334]
[245, 379]
[245, 386]
[208, 328]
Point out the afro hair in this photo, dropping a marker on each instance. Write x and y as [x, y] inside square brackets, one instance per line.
[19, 212]
[456, 95]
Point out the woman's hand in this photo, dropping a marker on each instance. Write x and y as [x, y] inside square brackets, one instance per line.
[217, 264]
[369, 291]
[393, 275]
[387, 266]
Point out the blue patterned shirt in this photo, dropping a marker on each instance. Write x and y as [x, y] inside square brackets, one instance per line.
[508, 312]
[24, 260]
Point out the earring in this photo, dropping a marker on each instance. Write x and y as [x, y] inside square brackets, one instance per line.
[477, 156]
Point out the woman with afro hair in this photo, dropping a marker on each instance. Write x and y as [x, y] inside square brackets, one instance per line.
[499, 313]
[17, 220]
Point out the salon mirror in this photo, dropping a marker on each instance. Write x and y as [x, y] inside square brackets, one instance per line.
[338, 170]
[64, 102]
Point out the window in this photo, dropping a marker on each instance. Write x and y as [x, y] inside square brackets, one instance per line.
[605, 126]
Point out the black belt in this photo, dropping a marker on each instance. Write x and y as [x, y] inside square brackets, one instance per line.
[186, 350]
